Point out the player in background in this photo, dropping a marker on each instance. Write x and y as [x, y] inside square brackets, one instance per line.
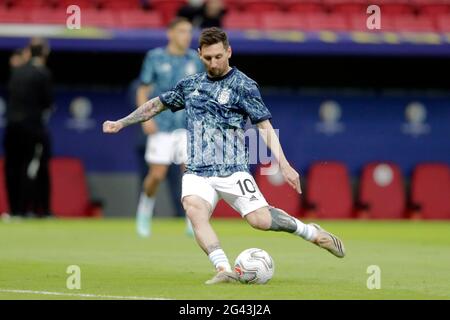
[166, 141]
[215, 101]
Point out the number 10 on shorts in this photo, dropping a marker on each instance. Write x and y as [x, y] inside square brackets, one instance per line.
[246, 185]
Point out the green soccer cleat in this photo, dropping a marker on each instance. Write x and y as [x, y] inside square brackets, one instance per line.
[328, 241]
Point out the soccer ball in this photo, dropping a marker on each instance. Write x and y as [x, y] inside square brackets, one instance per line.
[254, 266]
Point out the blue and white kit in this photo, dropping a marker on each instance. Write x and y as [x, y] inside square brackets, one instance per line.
[217, 110]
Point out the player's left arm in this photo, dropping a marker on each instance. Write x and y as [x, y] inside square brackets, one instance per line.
[273, 143]
[145, 112]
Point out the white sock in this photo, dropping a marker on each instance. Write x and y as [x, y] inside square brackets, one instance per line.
[146, 205]
[219, 260]
[305, 231]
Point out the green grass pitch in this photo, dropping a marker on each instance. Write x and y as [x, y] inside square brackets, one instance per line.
[414, 258]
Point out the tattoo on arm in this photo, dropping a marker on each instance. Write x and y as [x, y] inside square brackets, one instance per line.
[282, 221]
[145, 112]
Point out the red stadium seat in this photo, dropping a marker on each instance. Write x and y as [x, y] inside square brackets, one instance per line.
[48, 16]
[381, 191]
[432, 7]
[14, 16]
[245, 20]
[413, 24]
[430, 190]
[443, 23]
[83, 4]
[328, 191]
[277, 192]
[167, 8]
[140, 19]
[70, 197]
[28, 4]
[258, 6]
[347, 7]
[283, 21]
[232, 5]
[396, 7]
[331, 22]
[303, 6]
[223, 210]
[119, 4]
[358, 22]
[4, 206]
[91, 17]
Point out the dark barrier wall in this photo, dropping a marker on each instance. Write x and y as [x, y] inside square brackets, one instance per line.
[75, 69]
[403, 128]
[355, 128]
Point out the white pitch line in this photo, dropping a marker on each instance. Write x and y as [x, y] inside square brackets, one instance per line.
[83, 295]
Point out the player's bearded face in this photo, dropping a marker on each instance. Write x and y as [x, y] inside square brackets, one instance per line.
[215, 58]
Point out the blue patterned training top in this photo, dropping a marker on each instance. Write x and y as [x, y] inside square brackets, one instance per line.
[162, 71]
[217, 110]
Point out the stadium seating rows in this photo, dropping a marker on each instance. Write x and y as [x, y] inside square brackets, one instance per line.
[334, 15]
[381, 192]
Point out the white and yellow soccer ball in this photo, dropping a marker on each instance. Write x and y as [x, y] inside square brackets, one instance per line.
[254, 266]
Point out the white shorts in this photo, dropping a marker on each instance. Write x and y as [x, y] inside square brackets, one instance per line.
[239, 190]
[167, 147]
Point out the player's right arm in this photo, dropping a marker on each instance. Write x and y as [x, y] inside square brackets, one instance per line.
[145, 112]
[142, 94]
[172, 99]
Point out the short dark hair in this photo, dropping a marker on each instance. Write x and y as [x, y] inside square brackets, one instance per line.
[212, 36]
[176, 21]
[39, 47]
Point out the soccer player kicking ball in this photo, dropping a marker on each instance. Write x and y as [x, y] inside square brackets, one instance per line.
[220, 99]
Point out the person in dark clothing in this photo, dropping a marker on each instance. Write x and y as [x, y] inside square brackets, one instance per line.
[206, 15]
[26, 140]
[19, 58]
